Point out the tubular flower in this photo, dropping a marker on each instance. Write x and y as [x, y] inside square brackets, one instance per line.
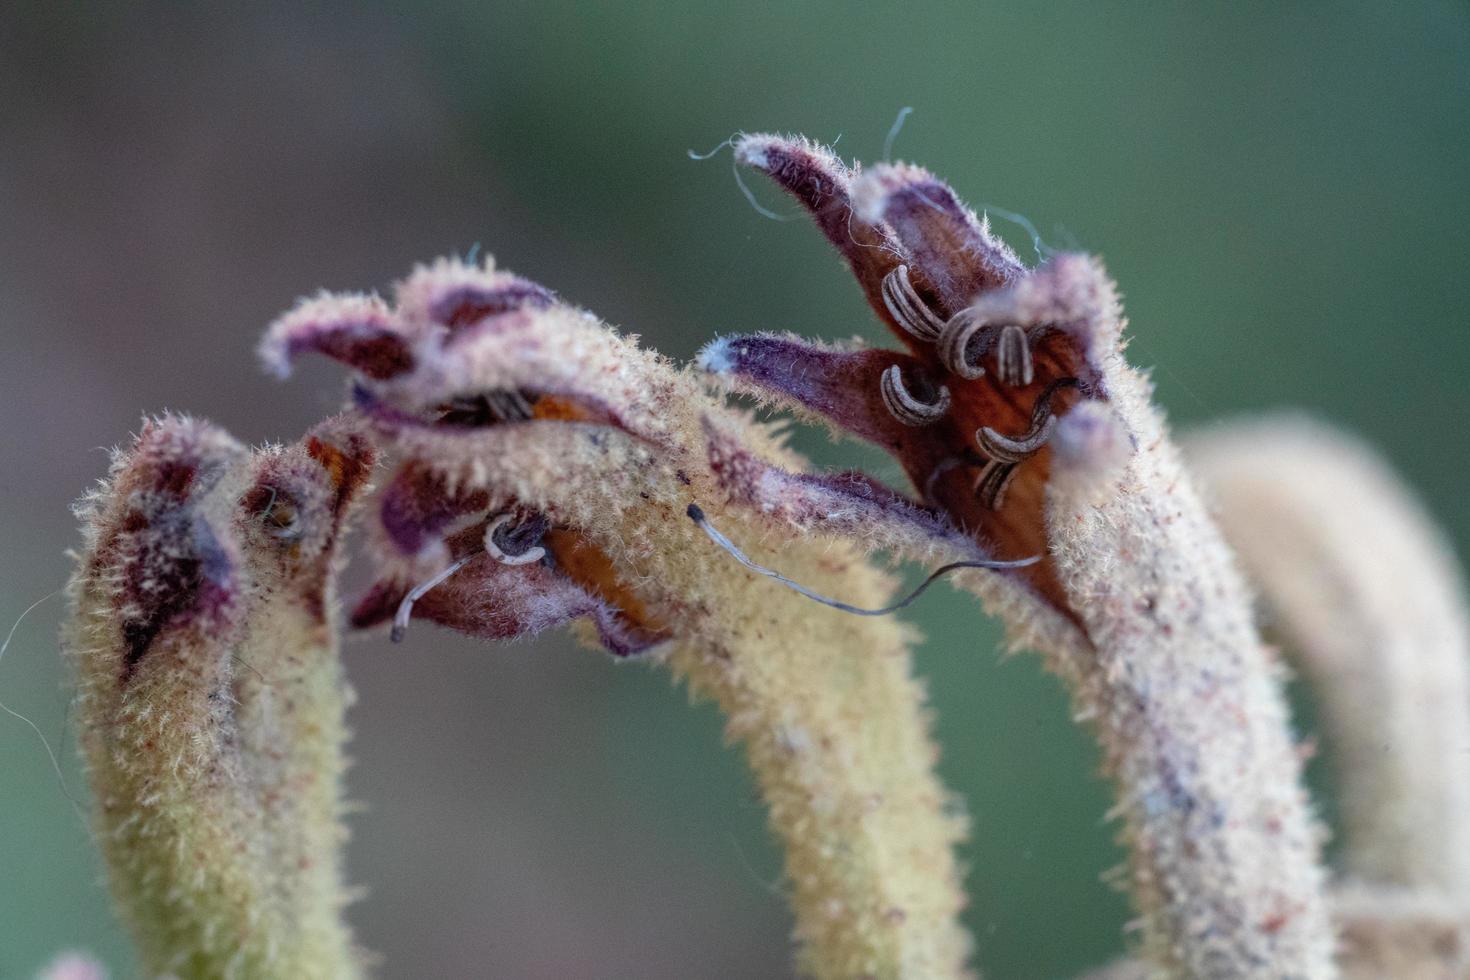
[211, 699]
[544, 469]
[994, 356]
[1018, 422]
[435, 372]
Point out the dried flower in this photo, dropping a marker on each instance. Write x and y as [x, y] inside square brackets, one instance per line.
[1017, 421]
[543, 467]
[211, 698]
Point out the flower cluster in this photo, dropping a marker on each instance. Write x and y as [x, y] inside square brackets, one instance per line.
[995, 354]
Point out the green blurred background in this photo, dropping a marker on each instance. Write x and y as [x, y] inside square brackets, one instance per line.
[1281, 191]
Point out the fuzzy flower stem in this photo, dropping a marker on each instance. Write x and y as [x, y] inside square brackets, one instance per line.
[824, 703]
[211, 698]
[1363, 589]
[1185, 699]
[833, 725]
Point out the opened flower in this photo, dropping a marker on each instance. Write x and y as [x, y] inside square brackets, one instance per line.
[1018, 422]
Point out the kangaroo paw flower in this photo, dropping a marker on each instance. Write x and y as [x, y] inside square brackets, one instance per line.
[211, 699]
[544, 468]
[1364, 590]
[1020, 426]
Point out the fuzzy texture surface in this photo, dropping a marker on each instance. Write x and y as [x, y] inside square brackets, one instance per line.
[606, 445]
[1385, 933]
[211, 698]
[1363, 588]
[1017, 419]
[1187, 703]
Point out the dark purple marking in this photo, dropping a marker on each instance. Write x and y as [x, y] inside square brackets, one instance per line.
[174, 568]
[466, 305]
[842, 386]
[417, 506]
[374, 350]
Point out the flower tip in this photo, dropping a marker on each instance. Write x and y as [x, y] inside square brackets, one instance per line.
[869, 196]
[716, 357]
[274, 357]
[356, 329]
[171, 451]
[345, 452]
[872, 190]
[1090, 442]
[876, 190]
[753, 149]
[809, 172]
[456, 293]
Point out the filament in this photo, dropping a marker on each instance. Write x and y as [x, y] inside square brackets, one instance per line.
[697, 516]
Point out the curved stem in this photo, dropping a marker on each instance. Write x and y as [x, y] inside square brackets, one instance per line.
[825, 703]
[1364, 590]
[1186, 701]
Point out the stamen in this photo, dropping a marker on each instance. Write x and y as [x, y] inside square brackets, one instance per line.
[908, 307]
[496, 548]
[1013, 357]
[509, 406]
[1015, 449]
[964, 341]
[486, 409]
[697, 516]
[903, 404]
[405, 608]
[1008, 450]
[993, 482]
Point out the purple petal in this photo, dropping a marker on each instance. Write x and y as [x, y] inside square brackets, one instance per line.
[950, 250]
[457, 295]
[492, 601]
[841, 386]
[418, 505]
[851, 504]
[359, 331]
[823, 185]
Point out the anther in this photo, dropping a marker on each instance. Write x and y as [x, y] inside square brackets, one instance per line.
[509, 406]
[1013, 357]
[908, 308]
[963, 342]
[498, 540]
[924, 407]
[1013, 450]
[486, 409]
[993, 482]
